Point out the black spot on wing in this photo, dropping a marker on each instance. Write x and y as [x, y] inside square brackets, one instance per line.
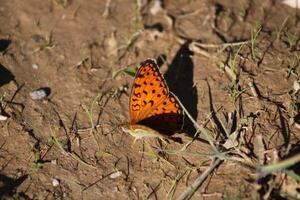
[137, 94]
[151, 102]
[137, 85]
[144, 102]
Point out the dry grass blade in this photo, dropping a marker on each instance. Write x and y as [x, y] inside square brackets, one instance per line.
[188, 193]
[224, 45]
[200, 128]
[191, 189]
[282, 165]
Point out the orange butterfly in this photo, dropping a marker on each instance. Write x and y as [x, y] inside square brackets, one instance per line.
[154, 111]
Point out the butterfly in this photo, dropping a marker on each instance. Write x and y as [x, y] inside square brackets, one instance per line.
[154, 111]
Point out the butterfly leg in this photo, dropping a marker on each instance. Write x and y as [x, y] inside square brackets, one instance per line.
[135, 139]
[164, 140]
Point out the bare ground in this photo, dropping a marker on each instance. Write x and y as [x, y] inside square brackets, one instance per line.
[221, 58]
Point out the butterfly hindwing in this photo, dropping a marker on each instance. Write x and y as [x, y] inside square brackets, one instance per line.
[167, 118]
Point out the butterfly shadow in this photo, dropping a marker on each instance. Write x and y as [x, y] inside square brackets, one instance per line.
[179, 77]
[5, 75]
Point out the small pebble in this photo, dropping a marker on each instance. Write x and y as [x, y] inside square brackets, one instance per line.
[35, 66]
[40, 93]
[3, 118]
[296, 86]
[94, 70]
[156, 7]
[55, 182]
[54, 162]
[116, 174]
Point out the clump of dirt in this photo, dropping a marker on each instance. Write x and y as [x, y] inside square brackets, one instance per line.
[233, 65]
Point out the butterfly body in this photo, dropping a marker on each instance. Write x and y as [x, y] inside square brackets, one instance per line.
[141, 131]
[154, 111]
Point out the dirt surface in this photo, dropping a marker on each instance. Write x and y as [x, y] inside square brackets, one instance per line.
[233, 64]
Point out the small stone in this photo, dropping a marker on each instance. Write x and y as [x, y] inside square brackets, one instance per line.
[54, 162]
[116, 174]
[296, 86]
[3, 118]
[40, 93]
[55, 182]
[94, 70]
[292, 3]
[156, 7]
[35, 66]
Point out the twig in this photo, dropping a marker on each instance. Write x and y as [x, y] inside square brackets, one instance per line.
[254, 89]
[188, 193]
[107, 7]
[225, 45]
[284, 164]
[203, 130]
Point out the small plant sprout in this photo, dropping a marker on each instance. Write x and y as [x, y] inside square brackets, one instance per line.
[47, 45]
[254, 35]
[291, 39]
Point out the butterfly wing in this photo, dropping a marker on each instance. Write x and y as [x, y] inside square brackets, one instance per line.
[148, 91]
[151, 103]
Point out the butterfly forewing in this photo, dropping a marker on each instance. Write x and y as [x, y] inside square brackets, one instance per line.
[151, 103]
[148, 91]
